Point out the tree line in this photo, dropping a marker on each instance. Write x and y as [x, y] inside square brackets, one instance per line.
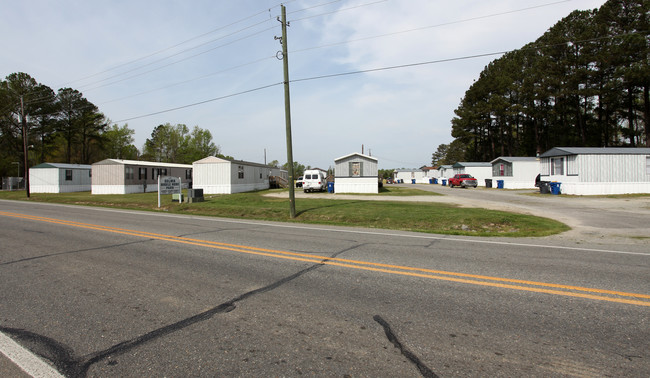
[584, 83]
[64, 127]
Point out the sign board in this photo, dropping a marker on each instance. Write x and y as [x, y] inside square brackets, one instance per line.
[169, 185]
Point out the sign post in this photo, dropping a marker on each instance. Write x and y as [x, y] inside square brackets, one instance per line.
[169, 185]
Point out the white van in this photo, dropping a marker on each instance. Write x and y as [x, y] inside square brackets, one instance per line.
[314, 179]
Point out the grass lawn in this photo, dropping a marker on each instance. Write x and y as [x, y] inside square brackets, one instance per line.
[409, 216]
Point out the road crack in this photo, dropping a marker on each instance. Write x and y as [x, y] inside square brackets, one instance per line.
[392, 337]
[63, 357]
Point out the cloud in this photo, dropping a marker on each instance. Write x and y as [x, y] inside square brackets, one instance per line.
[400, 114]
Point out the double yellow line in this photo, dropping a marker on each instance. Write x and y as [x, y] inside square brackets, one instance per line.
[473, 279]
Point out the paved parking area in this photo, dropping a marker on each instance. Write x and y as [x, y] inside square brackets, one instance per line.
[622, 219]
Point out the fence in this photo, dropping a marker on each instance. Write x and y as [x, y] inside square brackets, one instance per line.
[13, 183]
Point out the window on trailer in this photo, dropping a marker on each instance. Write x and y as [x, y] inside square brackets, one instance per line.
[557, 166]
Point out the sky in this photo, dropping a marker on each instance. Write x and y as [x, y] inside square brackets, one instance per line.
[382, 76]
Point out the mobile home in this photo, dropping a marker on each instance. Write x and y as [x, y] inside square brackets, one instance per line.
[59, 178]
[221, 176]
[479, 170]
[597, 171]
[516, 172]
[356, 173]
[114, 176]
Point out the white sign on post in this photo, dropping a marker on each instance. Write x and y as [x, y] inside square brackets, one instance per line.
[168, 185]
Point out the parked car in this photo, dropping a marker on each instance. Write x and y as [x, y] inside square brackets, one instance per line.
[314, 180]
[299, 182]
[463, 180]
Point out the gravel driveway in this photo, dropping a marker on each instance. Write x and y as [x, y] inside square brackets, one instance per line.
[620, 220]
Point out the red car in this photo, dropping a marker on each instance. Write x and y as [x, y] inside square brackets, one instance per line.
[463, 180]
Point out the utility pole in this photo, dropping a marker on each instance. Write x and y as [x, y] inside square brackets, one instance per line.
[24, 125]
[287, 111]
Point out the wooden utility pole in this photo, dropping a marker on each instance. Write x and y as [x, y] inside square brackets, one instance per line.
[287, 113]
[23, 122]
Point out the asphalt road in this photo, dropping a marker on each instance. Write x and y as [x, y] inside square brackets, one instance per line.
[98, 292]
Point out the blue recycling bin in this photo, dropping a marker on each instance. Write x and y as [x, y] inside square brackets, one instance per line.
[330, 187]
[435, 180]
[499, 184]
[444, 182]
[430, 181]
[412, 181]
[555, 187]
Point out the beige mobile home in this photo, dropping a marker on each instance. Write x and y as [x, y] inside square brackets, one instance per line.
[221, 176]
[59, 178]
[113, 176]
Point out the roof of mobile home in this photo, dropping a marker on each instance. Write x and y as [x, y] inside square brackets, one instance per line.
[356, 154]
[512, 159]
[471, 164]
[214, 159]
[63, 166]
[564, 151]
[143, 163]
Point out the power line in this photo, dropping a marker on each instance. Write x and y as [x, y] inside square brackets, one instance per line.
[190, 80]
[178, 61]
[339, 10]
[178, 44]
[172, 63]
[431, 26]
[315, 6]
[399, 66]
[531, 47]
[200, 102]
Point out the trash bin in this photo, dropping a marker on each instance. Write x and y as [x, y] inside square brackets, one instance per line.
[499, 184]
[488, 183]
[544, 187]
[435, 180]
[555, 188]
[430, 181]
[330, 187]
[444, 182]
[412, 181]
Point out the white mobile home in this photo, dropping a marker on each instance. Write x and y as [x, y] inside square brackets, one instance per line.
[356, 173]
[114, 176]
[408, 175]
[221, 176]
[431, 172]
[479, 170]
[516, 172]
[59, 178]
[597, 171]
[445, 171]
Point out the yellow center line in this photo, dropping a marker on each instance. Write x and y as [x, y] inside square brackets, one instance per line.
[573, 291]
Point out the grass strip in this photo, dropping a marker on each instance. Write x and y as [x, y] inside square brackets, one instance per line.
[429, 217]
